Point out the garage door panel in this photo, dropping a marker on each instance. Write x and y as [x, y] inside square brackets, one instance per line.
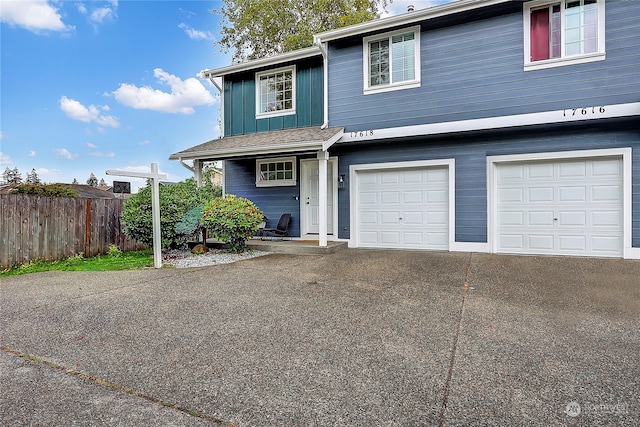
[540, 194]
[572, 194]
[540, 242]
[410, 208]
[571, 207]
[606, 193]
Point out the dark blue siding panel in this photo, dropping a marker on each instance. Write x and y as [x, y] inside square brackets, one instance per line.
[240, 101]
[470, 155]
[240, 178]
[475, 70]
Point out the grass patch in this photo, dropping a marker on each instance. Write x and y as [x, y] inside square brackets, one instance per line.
[111, 262]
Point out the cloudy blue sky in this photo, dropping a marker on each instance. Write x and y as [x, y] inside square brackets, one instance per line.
[93, 85]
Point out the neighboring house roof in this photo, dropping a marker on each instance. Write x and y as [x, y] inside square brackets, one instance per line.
[288, 140]
[89, 192]
[404, 19]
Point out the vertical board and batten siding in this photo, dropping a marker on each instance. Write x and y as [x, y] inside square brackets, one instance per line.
[272, 201]
[470, 154]
[240, 101]
[475, 70]
[54, 228]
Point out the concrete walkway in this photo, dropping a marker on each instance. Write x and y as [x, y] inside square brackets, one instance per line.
[355, 337]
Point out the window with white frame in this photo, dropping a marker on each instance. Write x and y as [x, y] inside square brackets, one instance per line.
[392, 60]
[563, 32]
[276, 172]
[276, 92]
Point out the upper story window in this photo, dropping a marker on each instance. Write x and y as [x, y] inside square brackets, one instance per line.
[392, 60]
[276, 92]
[563, 32]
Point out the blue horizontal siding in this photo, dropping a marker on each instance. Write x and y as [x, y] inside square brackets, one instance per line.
[470, 154]
[475, 70]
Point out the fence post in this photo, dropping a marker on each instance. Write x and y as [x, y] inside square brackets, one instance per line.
[87, 238]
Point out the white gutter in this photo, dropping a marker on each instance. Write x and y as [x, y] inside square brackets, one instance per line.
[186, 165]
[404, 19]
[325, 75]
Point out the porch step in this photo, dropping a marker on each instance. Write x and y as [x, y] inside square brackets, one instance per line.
[305, 247]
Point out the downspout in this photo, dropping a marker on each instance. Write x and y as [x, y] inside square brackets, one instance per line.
[213, 82]
[186, 165]
[325, 72]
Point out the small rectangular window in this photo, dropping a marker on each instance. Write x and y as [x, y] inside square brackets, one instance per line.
[276, 172]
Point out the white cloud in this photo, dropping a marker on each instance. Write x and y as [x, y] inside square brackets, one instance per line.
[76, 111]
[145, 142]
[185, 94]
[104, 155]
[1, 135]
[35, 15]
[63, 153]
[90, 145]
[45, 171]
[197, 34]
[5, 159]
[99, 15]
[32, 153]
[81, 8]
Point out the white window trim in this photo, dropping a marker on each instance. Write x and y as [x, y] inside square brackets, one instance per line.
[391, 86]
[260, 115]
[279, 182]
[625, 153]
[529, 65]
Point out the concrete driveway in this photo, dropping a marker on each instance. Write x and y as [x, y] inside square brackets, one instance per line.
[363, 338]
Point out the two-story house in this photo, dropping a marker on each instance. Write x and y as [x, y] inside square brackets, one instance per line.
[478, 125]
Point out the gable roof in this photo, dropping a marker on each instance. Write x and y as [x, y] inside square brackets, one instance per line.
[312, 138]
[404, 19]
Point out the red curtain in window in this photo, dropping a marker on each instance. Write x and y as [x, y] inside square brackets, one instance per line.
[539, 34]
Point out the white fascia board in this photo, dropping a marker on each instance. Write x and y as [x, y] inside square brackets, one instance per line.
[500, 122]
[262, 62]
[272, 149]
[404, 19]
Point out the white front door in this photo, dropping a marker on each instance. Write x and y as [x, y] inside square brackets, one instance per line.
[310, 201]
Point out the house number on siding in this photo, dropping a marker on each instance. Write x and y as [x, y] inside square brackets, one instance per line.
[583, 111]
[361, 134]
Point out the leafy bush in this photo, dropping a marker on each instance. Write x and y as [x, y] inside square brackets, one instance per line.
[232, 220]
[46, 190]
[175, 201]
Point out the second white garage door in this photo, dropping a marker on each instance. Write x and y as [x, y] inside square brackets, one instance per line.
[403, 208]
[569, 207]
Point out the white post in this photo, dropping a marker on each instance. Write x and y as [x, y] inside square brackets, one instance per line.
[155, 213]
[323, 157]
[197, 172]
[155, 177]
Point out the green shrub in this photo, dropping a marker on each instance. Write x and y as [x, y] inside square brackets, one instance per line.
[232, 220]
[46, 190]
[175, 201]
[114, 251]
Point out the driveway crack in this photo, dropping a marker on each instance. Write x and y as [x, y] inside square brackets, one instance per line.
[452, 359]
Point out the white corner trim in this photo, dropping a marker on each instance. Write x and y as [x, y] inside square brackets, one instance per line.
[354, 198]
[470, 247]
[574, 114]
[329, 142]
[625, 153]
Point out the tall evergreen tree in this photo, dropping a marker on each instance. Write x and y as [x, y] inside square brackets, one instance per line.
[92, 181]
[75, 181]
[33, 178]
[12, 176]
[102, 183]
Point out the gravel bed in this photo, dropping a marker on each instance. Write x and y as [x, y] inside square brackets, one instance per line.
[185, 259]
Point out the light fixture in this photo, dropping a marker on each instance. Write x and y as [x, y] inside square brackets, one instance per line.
[341, 182]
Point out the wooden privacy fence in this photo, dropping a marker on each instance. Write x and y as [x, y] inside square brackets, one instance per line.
[54, 228]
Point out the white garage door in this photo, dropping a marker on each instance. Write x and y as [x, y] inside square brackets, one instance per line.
[569, 207]
[403, 208]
